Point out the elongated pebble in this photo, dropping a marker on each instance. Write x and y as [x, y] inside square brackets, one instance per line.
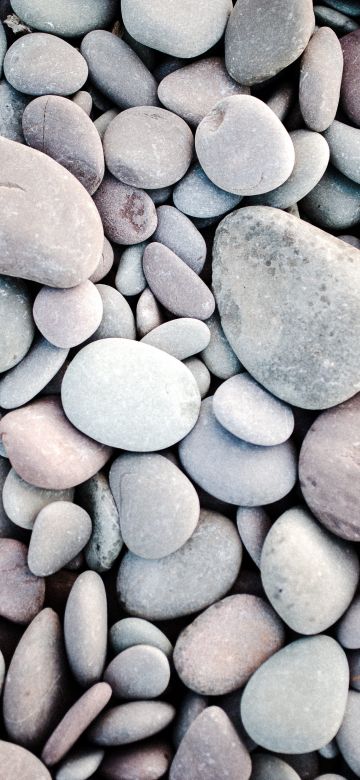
[22, 593]
[148, 313]
[218, 356]
[200, 373]
[117, 320]
[106, 541]
[344, 144]
[12, 106]
[23, 382]
[132, 631]
[85, 628]
[62, 18]
[175, 285]
[348, 628]
[178, 233]
[103, 121]
[320, 79]
[349, 94]
[268, 767]
[197, 196]
[131, 722]
[130, 279]
[253, 525]
[181, 337]
[16, 322]
[80, 764]
[23, 502]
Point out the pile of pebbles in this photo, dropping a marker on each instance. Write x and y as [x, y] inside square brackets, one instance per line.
[179, 389]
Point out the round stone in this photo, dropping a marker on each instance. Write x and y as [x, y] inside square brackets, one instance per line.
[181, 338]
[349, 92]
[105, 263]
[220, 650]
[106, 540]
[22, 594]
[180, 235]
[348, 629]
[334, 202]
[68, 317]
[148, 313]
[200, 373]
[253, 525]
[133, 631]
[17, 762]
[23, 502]
[140, 672]
[232, 143]
[268, 767]
[85, 628]
[80, 764]
[16, 322]
[306, 280]
[328, 483]
[128, 214]
[64, 18]
[320, 79]
[61, 530]
[175, 285]
[131, 722]
[344, 143]
[111, 375]
[347, 735]
[309, 576]
[12, 105]
[157, 504]
[117, 318]
[199, 573]
[43, 64]
[130, 279]
[218, 355]
[305, 687]
[32, 374]
[199, 197]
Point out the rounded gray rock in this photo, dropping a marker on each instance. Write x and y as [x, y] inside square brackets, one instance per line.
[85, 628]
[333, 203]
[253, 525]
[83, 99]
[106, 540]
[348, 629]
[320, 79]
[200, 373]
[148, 313]
[43, 64]
[268, 767]
[179, 234]
[80, 764]
[128, 214]
[68, 317]
[131, 722]
[12, 106]
[218, 356]
[192, 705]
[140, 672]
[132, 631]
[32, 374]
[181, 337]
[103, 121]
[23, 502]
[61, 530]
[63, 18]
[117, 318]
[105, 263]
[16, 322]
[199, 197]
[347, 736]
[344, 143]
[338, 22]
[130, 279]
[17, 762]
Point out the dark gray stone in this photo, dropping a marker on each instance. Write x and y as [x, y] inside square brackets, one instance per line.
[12, 106]
[43, 64]
[338, 22]
[334, 204]
[106, 541]
[128, 214]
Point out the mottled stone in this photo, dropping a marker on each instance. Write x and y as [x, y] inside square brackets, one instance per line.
[197, 196]
[344, 143]
[132, 631]
[32, 374]
[349, 86]
[16, 322]
[23, 502]
[263, 38]
[305, 688]
[320, 79]
[268, 767]
[148, 760]
[43, 64]
[130, 279]
[12, 106]
[85, 628]
[200, 373]
[218, 356]
[253, 525]
[80, 764]
[148, 313]
[306, 281]
[22, 594]
[106, 540]
[188, 580]
[348, 629]
[60, 531]
[131, 722]
[181, 337]
[68, 317]
[179, 234]
[105, 263]
[347, 736]
[117, 318]
[140, 672]
[16, 762]
[175, 285]
[63, 18]
[128, 214]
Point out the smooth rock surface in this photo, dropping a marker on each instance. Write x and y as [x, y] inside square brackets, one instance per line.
[320, 79]
[218, 356]
[344, 144]
[140, 672]
[128, 214]
[348, 629]
[197, 196]
[32, 374]
[106, 540]
[192, 705]
[61, 530]
[268, 767]
[80, 764]
[105, 263]
[179, 234]
[349, 86]
[132, 631]
[43, 64]
[200, 373]
[148, 313]
[148, 760]
[12, 106]
[130, 279]
[23, 502]
[175, 285]
[333, 203]
[117, 318]
[347, 735]
[131, 722]
[22, 594]
[181, 337]
[17, 762]
[68, 317]
[338, 22]
[253, 525]
[85, 628]
[63, 18]
[16, 322]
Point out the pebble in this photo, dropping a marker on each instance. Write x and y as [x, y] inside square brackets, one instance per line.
[320, 79]
[106, 541]
[43, 64]
[80, 764]
[17, 762]
[75, 722]
[220, 650]
[12, 106]
[128, 214]
[344, 143]
[157, 504]
[351, 7]
[264, 38]
[353, 657]
[46, 450]
[117, 319]
[62, 130]
[349, 92]
[330, 750]
[175, 285]
[103, 121]
[23, 502]
[282, 99]
[61, 237]
[85, 628]
[148, 147]
[210, 749]
[176, 231]
[110, 374]
[61, 530]
[218, 355]
[338, 22]
[347, 736]
[202, 571]
[253, 525]
[182, 337]
[148, 760]
[130, 279]
[183, 29]
[191, 706]
[16, 322]
[333, 188]
[83, 99]
[105, 263]
[268, 767]
[308, 575]
[22, 594]
[305, 688]
[63, 19]
[35, 687]
[148, 313]
[348, 629]
[132, 631]
[200, 373]
[7, 529]
[232, 146]
[197, 196]
[140, 672]
[2, 671]
[32, 374]
[306, 280]
[107, 55]
[328, 484]
[232, 469]
[67, 317]
[131, 722]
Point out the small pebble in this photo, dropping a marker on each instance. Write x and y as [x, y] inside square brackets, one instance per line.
[347, 736]
[197, 196]
[320, 79]
[268, 767]
[131, 722]
[200, 373]
[182, 337]
[148, 313]
[105, 263]
[344, 144]
[128, 214]
[348, 628]
[23, 502]
[218, 355]
[61, 530]
[80, 764]
[42, 64]
[12, 106]
[16, 322]
[333, 203]
[84, 100]
[140, 672]
[106, 540]
[68, 317]
[117, 318]
[132, 631]
[85, 628]
[130, 279]
[22, 593]
[179, 234]
[253, 525]
[23, 382]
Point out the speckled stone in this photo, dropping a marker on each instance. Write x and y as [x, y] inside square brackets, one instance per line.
[182, 29]
[348, 629]
[35, 686]
[220, 650]
[16, 322]
[310, 279]
[17, 762]
[105, 263]
[148, 760]
[218, 356]
[43, 64]
[263, 38]
[175, 285]
[130, 279]
[23, 502]
[347, 736]
[309, 576]
[22, 594]
[133, 631]
[63, 18]
[344, 143]
[140, 672]
[211, 749]
[12, 106]
[131, 722]
[320, 79]
[178, 233]
[197, 196]
[338, 22]
[60, 531]
[32, 374]
[68, 317]
[61, 237]
[268, 767]
[200, 373]
[85, 628]
[181, 337]
[117, 318]
[253, 525]
[107, 55]
[110, 374]
[305, 688]
[46, 450]
[106, 540]
[188, 580]
[328, 469]
[80, 764]
[349, 86]
[148, 313]
[128, 214]
[62, 130]
[75, 722]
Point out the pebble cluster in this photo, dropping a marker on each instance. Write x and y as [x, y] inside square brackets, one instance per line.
[179, 389]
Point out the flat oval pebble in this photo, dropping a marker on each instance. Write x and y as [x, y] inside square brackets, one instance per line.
[132, 631]
[106, 540]
[85, 628]
[157, 504]
[333, 203]
[128, 214]
[22, 594]
[131, 722]
[344, 143]
[148, 760]
[61, 530]
[105, 263]
[320, 79]
[349, 91]
[140, 672]
[17, 762]
[117, 319]
[34, 694]
[178, 233]
[175, 285]
[232, 469]
[110, 374]
[16, 322]
[328, 483]
[12, 106]
[211, 749]
[32, 374]
[200, 373]
[262, 38]
[347, 735]
[68, 317]
[218, 356]
[148, 313]
[190, 579]
[80, 764]
[46, 450]
[232, 146]
[309, 576]
[340, 23]
[43, 64]
[348, 629]
[181, 337]
[305, 688]
[62, 18]
[23, 502]
[61, 239]
[253, 525]
[130, 279]
[220, 650]
[197, 196]
[63, 131]
[307, 281]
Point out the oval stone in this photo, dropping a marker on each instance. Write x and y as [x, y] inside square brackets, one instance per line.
[17, 762]
[221, 649]
[43, 64]
[32, 374]
[80, 764]
[218, 356]
[131, 722]
[307, 281]
[179, 234]
[110, 375]
[348, 629]
[148, 760]
[117, 318]
[85, 628]
[334, 202]
[338, 22]
[344, 143]
[148, 313]
[23, 502]
[268, 767]
[253, 525]
[192, 705]
[140, 672]
[22, 594]
[347, 735]
[61, 530]
[12, 105]
[128, 214]
[200, 572]
[16, 321]
[175, 285]
[200, 373]
[105, 263]
[132, 631]
[130, 279]
[68, 317]
[181, 338]
[106, 540]
[320, 79]
[349, 92]
[305, 688]
[63, 18]
[197, 196]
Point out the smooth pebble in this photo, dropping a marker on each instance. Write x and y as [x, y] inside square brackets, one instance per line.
[117, 319]
[320, 79]
[253, 525]
[106, 541]
[61, 530]
[132, 631]
[85, 628]
[128, 214]
[63, 18]
[181, 337]
[22, 593]
[43, 64]
[176, 231]
[130, 279]
[131, 722]
[16, 322]
[140, 672]
[23, 502]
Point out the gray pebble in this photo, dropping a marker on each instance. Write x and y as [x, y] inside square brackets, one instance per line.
[175, 285]
[268, 767]
[2, 671]
[344, 143]
[320, 79]
[23, 502]
[182, 337]
[85, 628]
[17, 762]
[16, 322]
[130, 279]
[105, 263]
[330, 750]
[148, 760]
[191, 705]
[253, 525]
[338, 22]
[43, 64]
[61, 530]
[106, 541]
[131, 722]
[68, 317]
[148, 314]
[103, 121]
[117, 318]
[160, 195]
[197, 196]
[351, 7]
[84, 100]
[140, 672]
[80, 764]
[218, 355]
[188, 580]
[12, 106]
[353, 657]
[348, 629]
[281, 99]
[63, 18]
[200, 373]
[32, 374]
[334, 204]
[7, 529]
[347, 736]
[179, 234]
[128, 214]
[133, 631]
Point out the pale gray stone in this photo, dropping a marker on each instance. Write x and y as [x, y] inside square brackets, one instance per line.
[132, 631]
[103, 121]
[32, 374]
[131, 722]
[17, 762]
[106, 541]
[179, 234]
[16, 322]
[181, 337]
[23, 502]
[268, 767]
[320, 79]
[105, 263]
[84, 100]
[128, 214]
[253, 525]
[85, 628]
[140, 672]
[61, 530]
[334, 204]
[344, 143]
[68, 317]
[117, 318]
[80, 764]
[200, 373]
[130, 279]
[63, 17]
[347, 736]
[43, 64]
[148, 313]
[348, 629]
[197, 196]
[218, 356]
